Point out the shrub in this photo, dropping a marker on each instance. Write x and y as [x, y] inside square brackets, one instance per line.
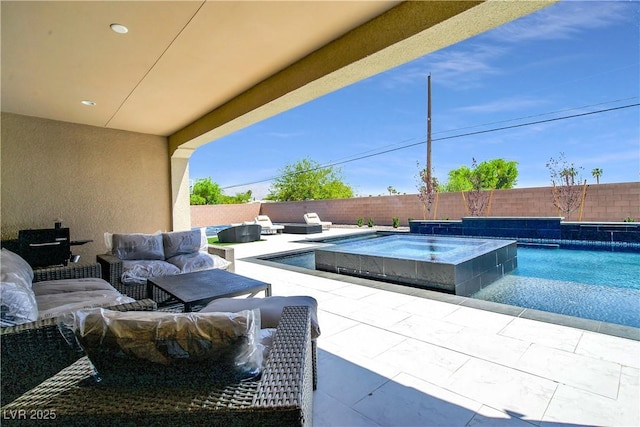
[370, 222]
[396, 222]
[628, 219]
[360, 222]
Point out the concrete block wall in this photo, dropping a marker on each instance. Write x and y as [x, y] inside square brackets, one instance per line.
[347, 211]
[603, 202]
[205, 215]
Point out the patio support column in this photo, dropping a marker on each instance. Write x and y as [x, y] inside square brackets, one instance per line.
[180, 189]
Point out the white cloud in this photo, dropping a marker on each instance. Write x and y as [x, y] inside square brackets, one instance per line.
[455, 67]
[285, 135]
[564, 20]
[504, 104]
[611, 158]
[465, 65]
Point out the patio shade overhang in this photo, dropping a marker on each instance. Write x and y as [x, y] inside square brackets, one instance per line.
[195, 71]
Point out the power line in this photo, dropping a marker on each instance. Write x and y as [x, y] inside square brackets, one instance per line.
[539, 115]
[483, 125]
[573, 116]
[487, 124]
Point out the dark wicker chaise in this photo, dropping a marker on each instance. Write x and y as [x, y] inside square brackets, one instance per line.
[35, 351]
[243, 233]
[283, 395]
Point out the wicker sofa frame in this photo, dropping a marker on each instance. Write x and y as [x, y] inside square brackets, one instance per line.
[283, 395]
[35, 351]
[112, 272]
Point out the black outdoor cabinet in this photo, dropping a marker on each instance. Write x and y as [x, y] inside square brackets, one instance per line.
[45, 247]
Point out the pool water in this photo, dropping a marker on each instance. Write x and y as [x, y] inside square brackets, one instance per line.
[593, 285]
[418, 247]
[212, 230]
[303, 260]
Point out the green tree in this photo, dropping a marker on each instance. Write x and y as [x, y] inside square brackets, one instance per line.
[597, 173]
[459, 180]
[498, 174]
[238, 198]
[488, 175]
[197, 200]
[206, 192]
[306, 180]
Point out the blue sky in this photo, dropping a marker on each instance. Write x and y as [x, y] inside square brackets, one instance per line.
[571, 58]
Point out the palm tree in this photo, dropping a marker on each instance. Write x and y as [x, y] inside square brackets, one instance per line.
[569, 175]
[597, 173]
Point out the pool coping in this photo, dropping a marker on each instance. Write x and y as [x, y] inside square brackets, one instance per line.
[613, 329]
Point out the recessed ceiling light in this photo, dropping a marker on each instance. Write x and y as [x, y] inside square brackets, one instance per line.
[119, 28]
[88, 102]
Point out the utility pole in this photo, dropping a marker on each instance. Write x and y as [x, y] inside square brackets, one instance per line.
[427, 192]
[429, 180]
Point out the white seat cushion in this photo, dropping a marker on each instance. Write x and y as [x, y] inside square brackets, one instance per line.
[54, 305]
[49, 287]
[270, 308]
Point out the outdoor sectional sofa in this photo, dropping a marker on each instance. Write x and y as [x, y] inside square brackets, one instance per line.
[282, 395]
[133, 257]
[33, 349]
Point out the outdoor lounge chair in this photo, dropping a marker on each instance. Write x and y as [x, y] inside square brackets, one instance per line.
[283, 395]
[242, 233]
[34, 351]
[313, 218]
[267, 225]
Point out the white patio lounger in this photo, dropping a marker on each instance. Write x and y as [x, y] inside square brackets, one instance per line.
[267, 225]
[313, 218]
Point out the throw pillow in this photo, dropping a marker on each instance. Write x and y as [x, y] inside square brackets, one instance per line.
[17, 304]
[13, 268]
[188, 263]
[137, 246]
[147, 348]
[181, 242]
[137, 272]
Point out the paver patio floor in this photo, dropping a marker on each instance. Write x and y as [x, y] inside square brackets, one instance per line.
[392, 359]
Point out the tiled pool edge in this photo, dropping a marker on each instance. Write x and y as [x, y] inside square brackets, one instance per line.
[597, 326]
[614, 236]
[481, 264]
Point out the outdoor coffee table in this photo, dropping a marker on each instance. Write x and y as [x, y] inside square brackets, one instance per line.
[200, 287]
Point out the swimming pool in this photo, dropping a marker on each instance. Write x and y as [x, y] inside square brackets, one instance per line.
[212, 230]
[595, 285]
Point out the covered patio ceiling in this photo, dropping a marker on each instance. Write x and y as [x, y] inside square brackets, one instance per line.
[198, 70]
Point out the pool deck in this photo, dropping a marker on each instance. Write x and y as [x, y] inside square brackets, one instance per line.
[390, 358]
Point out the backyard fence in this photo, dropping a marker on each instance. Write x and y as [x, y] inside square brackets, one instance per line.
[602, 203]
